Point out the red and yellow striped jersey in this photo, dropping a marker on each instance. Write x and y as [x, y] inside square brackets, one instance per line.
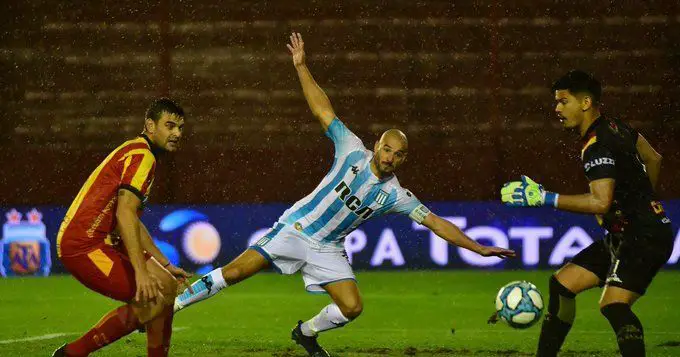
[91, 216]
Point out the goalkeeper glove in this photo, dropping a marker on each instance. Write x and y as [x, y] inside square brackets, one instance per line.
[527, 193]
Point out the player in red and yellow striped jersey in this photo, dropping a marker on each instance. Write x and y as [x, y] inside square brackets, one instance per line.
[106, 247]
[90, 219]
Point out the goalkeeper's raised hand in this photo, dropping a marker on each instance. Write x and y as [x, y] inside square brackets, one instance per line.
[527, 193]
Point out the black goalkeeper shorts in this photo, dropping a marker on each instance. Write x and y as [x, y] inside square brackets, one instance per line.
[628, 262]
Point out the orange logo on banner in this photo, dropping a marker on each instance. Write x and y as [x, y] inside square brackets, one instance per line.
[24, 257]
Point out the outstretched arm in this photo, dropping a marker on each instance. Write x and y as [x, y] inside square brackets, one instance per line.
[452, 234]
[529, 193]
[597, 201]
[316, 98]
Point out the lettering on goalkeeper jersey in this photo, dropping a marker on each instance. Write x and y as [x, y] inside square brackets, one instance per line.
[599, 161]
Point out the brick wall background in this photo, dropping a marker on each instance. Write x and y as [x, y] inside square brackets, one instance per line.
[467, 81]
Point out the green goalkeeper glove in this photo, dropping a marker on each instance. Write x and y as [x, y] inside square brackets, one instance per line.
[527, 193]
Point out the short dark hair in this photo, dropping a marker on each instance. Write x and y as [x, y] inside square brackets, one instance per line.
[577, 81]
[158, 106]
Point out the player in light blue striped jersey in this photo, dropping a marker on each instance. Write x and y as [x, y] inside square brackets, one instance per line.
[309, 236]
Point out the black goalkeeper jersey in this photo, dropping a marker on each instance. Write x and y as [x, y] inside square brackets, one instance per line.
[609, 151]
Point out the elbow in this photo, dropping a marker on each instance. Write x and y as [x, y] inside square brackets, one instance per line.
[324, 115]
[654, 160]
[602, 207]
[123, 214]
[317, 113]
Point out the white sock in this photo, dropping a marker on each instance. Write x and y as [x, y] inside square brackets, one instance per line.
[205, 287]
[329, 318]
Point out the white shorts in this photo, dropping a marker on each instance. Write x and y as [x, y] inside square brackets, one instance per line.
[289, 251]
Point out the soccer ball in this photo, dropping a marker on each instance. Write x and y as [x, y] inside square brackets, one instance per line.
[519, 304]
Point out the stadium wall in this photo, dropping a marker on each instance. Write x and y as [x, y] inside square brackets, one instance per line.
[466, 80]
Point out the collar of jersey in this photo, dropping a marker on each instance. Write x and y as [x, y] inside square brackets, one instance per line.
[154, 149]
[592, 128]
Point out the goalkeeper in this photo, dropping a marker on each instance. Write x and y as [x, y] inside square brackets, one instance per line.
[622, 169]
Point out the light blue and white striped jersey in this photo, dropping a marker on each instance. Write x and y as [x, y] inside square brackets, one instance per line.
[349, 194]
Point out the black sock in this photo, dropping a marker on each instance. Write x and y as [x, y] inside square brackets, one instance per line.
[628, 329]
[558, 320]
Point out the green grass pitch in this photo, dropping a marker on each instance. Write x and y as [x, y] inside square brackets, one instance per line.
[417, 313]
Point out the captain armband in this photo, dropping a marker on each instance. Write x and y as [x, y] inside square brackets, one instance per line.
[419, 213]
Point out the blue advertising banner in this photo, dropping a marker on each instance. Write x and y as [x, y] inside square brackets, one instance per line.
[201, 237]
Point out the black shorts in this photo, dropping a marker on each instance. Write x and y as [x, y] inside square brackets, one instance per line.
[627, 262]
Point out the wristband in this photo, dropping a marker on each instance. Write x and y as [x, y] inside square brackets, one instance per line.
[550, 199]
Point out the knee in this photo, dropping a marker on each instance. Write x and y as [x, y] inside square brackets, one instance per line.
[146, 313]
[614, 295]
[170, 291]
[169, 288]
[232, 274]
[557, 288]
[351, 309]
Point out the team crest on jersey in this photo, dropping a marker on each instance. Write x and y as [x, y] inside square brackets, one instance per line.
[381, 197]
[657, 207]
[613, 127]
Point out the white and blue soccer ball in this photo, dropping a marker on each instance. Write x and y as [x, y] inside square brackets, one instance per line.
[519, 304]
